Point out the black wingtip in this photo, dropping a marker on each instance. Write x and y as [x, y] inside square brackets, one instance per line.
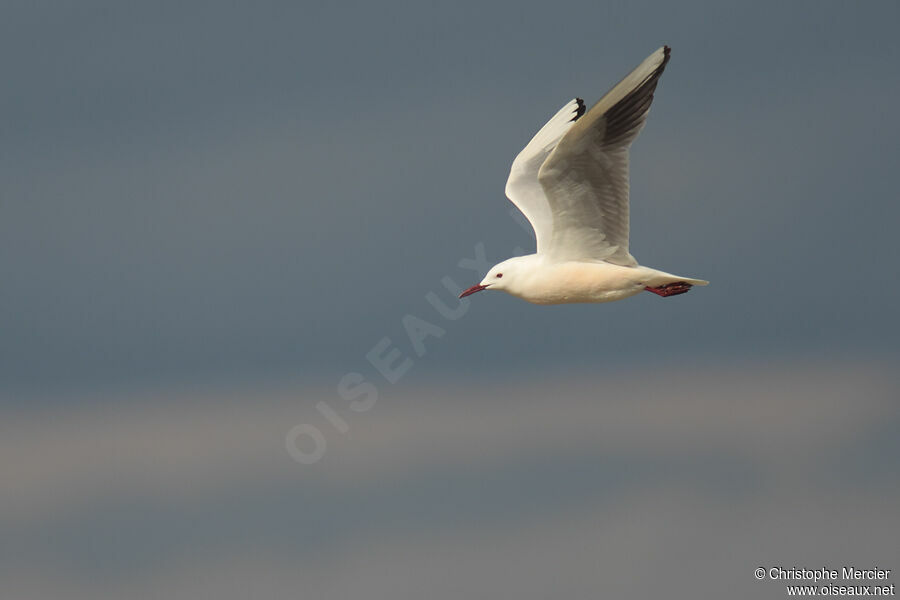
[666, 52]
[579, 111]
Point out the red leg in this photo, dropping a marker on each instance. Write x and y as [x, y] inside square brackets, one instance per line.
[670, 289]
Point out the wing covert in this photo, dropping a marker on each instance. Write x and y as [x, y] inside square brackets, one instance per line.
[523, 187]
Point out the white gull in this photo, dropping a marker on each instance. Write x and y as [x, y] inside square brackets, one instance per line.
[571, 182]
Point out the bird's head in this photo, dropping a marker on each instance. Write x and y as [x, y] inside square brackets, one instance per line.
[502, 276]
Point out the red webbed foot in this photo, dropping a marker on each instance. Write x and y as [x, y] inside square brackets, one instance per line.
[670, 289]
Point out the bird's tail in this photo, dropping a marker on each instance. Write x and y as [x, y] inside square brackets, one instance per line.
[693, 281]
[657, 278]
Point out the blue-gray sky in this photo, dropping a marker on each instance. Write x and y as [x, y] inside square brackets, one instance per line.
[211, 212]
[199, 191]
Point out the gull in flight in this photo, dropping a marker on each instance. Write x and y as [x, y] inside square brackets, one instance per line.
[571, 182]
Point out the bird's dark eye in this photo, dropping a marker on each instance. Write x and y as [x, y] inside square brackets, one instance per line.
[499, 275]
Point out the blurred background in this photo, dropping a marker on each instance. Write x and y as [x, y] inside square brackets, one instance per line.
[211, 214]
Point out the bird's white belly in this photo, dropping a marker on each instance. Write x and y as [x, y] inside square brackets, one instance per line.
[570, 282]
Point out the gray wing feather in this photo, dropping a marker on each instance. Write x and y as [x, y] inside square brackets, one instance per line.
[523, 187]
[585, 178]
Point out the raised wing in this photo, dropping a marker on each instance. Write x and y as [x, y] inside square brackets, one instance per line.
[585, 178]
[523, 187]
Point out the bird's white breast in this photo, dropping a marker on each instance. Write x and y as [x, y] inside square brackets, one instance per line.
[567, 282]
